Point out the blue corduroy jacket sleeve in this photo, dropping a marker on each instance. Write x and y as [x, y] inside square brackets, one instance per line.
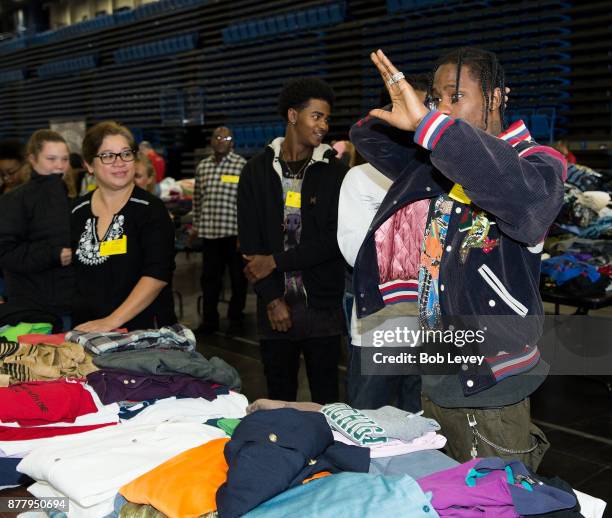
[525, 192]
[385, 147]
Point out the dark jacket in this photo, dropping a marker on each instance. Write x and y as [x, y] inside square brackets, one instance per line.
[274, 450]
[260, 225]
[34, 227]
[517, 187]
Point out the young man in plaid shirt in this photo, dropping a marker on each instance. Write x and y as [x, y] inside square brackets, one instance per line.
[214, 220]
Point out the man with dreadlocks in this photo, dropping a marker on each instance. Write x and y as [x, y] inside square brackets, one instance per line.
[490, 196]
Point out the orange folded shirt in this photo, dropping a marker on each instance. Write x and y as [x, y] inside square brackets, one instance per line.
[184, 486]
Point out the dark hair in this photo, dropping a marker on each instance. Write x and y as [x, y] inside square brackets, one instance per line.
[297, 92]
[76, 161]
[96, 135]
[11, 149]
[485, 68]
[419, 82]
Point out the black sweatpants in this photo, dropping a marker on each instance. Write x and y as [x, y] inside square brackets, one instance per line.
[281, 360]
[217, 254]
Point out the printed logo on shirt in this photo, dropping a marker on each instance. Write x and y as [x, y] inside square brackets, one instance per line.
[350, 422]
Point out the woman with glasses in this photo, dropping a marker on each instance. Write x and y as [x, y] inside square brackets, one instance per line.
[123, 240]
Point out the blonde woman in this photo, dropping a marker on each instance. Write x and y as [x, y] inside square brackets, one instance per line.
[35, 252]
[144, 176]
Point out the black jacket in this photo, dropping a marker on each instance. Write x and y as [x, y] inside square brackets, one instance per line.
[260, 225]
[34, 227]
[490, 266]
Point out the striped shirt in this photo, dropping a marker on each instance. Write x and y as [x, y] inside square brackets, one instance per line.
[215, 195]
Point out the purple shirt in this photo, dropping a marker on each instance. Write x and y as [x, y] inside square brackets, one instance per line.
[496, 488]
[119, 385]
[452, 497]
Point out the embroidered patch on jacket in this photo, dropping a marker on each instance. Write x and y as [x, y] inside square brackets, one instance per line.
[477, 235]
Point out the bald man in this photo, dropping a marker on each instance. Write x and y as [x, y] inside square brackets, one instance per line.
[214, 220]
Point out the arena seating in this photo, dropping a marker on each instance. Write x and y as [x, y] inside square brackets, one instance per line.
[235, 59]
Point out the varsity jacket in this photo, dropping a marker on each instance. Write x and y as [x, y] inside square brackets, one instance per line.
[261, 217]
[34, 227]
[490, 264]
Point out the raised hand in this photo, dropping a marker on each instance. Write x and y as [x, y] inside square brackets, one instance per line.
[408, 110]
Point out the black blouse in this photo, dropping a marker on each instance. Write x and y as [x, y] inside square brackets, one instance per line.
[104, 282]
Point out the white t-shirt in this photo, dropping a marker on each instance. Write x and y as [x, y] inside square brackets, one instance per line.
[363, 190]
[89, 468]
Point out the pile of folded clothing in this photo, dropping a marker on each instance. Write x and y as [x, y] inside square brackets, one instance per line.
[575, 274]
[158, 430]
[579, 247]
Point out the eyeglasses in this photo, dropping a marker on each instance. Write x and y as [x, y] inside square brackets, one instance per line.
[226, 139]
[129, 155]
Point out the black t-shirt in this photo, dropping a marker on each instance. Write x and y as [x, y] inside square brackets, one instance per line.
[104, 282]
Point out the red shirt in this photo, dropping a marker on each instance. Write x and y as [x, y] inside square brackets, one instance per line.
[15, 433]
[44, 402]
[34, 339]
[159, 164]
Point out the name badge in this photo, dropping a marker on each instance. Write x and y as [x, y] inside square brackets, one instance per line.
[114, 247]
[457, 193]
[229, 178]
[294, 199]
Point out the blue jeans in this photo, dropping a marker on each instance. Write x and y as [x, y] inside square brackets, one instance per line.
[371, 392]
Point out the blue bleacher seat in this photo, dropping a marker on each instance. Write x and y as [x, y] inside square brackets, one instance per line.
[393, 6]
[269, 132]
[292, 23]
[140, 52]
[281, 24]
[238, 135]
[336, 13]
[244, 32]
[259, 135]
[323, 16]
[271, 26]
[312, 15]
[124, 16]
[156, 48]
[262, 28]
[230, 34]
[249, 136]
[302, 20]
[225, 34]
[252, 30]
[541, 127]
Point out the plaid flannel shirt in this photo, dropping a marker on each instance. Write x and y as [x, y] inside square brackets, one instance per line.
[175, 336]
[215, 195]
